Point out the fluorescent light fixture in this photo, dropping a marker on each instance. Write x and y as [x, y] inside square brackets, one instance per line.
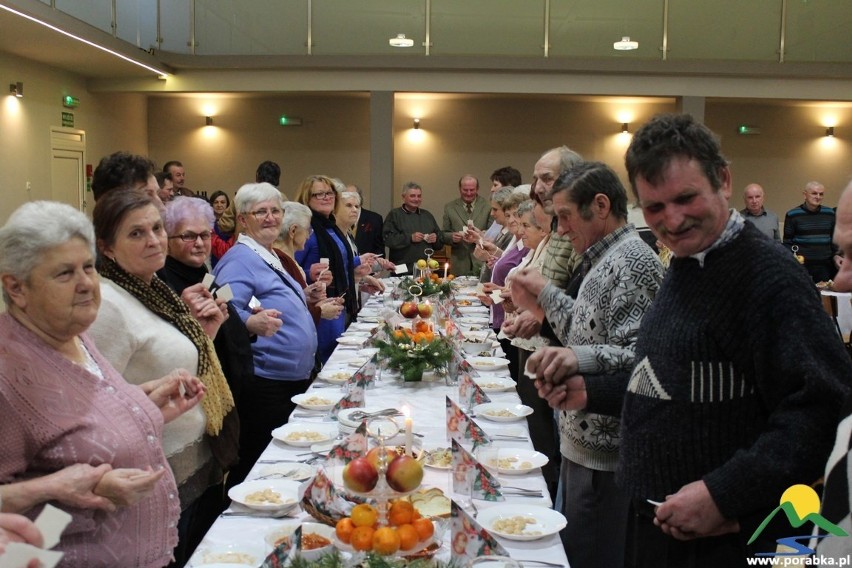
[625, 44]
[87, 42]
[17, 89]
[401, 41]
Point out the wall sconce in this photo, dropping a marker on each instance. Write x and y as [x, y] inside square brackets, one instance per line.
[829, 132]
[624, 129]
[416, 124]
[208, 121]
[17, 89]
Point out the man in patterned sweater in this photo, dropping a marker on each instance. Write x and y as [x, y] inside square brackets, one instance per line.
[809, 227]
[739, 373]
[622, 275]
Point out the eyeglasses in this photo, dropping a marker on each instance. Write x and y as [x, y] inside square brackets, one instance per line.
[191, 237]
[323, 195]
[261, 214]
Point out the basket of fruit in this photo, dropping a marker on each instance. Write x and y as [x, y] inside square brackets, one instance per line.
[414, 351]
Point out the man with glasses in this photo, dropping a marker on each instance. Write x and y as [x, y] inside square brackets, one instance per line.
[409, 230]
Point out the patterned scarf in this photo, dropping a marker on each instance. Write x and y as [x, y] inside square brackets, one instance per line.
[161, 300]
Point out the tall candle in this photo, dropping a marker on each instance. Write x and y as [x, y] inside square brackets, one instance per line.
[409, 434]
[446, 266]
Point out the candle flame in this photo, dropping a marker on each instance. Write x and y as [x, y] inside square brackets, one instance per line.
[405, 411]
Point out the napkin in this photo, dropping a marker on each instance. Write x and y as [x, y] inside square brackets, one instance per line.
[470, 393]
[353, 399]
[460, 426]
[470, 477]
[468, 540]
[292, 546]
[321, 499]
[352, 446]
[366, 374]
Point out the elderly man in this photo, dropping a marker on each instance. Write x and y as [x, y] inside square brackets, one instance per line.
[727, 406]
[409, 230]
[469, 211]
[621, 277]
[121, 170]
[178, 174]
[764, 219]
[810, 227]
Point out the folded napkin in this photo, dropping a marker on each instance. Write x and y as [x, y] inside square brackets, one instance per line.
[470, 393]
[280, 556]
[462, 427]
[354, 397]
[468, 540]
[470, 477]
[352, 446]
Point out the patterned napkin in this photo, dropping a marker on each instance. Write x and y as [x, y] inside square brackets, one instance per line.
[468, 473]
[470, 393]
[321, 499]
[354, 398]
[366, 374]
[461, 427]
[468, 539]
[292, 546]
[352, 446]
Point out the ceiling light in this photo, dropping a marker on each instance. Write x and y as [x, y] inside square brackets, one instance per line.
[401, 41]
[625, 44]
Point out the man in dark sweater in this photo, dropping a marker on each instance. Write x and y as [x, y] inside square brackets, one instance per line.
[409, 230]
[809, 227]
[739, 376]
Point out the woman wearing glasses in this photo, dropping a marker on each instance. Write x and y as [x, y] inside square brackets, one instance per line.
[329, 242]
[273, 306]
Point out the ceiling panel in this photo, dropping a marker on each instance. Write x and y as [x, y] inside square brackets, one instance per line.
[818, 30]
[365, 26]
[588, 28]
[488, 27]
[725, 29]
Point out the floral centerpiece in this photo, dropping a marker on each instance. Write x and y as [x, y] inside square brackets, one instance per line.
[413, 351]
[427, 286]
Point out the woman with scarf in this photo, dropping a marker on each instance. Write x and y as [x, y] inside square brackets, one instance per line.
[145, 330]
[329, 242]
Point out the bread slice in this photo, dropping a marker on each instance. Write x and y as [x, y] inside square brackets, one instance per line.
[431, 502]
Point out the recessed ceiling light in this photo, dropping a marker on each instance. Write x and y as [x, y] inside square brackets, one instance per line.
[401, 41]
[625, 44]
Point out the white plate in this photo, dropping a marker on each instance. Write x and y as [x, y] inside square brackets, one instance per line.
[227, 556]
[427, 463]
[317, 401]
[518, 411]
[287, 490]
[287, 470]
[473, 310]
[548, 521]
[301, 430]
[524, 461]
[472, 320]
[357, 362]
[335, 376]
[362, 327]
[353, 340]
[491, 383]
[487, 363]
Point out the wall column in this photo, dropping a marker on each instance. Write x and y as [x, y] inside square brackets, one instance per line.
[692, 105]
[381, 151]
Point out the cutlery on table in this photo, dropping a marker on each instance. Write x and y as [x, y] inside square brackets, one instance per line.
[540, 563]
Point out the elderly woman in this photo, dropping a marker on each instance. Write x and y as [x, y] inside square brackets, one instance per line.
[346, 214]
[273, 306]
[221, 240]
[62, 402]
[144, 329]
[488, 251]
[328, 242]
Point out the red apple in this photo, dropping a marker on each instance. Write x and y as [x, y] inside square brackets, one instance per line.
[408, 309]
[359, 475]
[404, 474]
[424, 309]
[374, 454]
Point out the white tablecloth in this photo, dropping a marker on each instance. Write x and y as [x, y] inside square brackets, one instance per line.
[427, 404]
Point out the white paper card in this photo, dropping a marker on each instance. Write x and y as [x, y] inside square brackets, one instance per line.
[225, 293]
[51, 522]
[18, 555]
[208, 280]
[323, 261]
[254, 303]
[497, 297]
[400, 269]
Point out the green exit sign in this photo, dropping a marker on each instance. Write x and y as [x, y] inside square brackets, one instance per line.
[68, 119]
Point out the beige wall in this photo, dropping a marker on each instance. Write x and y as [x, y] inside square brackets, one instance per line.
[111, 122]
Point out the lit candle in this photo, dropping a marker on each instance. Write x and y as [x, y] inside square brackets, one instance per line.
[446, 266]
[409, 430]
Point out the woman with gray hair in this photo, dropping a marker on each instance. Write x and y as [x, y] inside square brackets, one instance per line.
[63, 402]
[285, 350]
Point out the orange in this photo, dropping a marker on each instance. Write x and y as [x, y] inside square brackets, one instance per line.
[424, 528]
[415, 515]
[344, 529]
[362, 538]
[385, 540]
[408, 537]
[400, 513]
[363, 515]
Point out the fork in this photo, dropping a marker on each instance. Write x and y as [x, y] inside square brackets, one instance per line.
[361, 415]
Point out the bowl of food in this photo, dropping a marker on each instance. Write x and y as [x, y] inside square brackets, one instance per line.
[476, 345]
[316, 539]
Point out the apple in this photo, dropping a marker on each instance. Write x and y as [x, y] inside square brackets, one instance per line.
[404, 474]
[433, 264]
[408, 309]
[360, 475]
[374, 454]
[421, 264]
[424, 309]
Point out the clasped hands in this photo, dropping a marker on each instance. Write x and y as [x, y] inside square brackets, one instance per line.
[419, 237]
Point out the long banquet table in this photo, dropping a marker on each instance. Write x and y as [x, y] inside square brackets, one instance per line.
[427, 404]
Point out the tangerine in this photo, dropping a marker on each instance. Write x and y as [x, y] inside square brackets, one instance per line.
[400, 513]
[425, 528]
[364, 515]
[344, 529]
[415, 515]
[385, 540]
[362, 538]
[408, 536]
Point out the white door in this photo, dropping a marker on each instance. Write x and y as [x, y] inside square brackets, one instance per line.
[68, 166]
